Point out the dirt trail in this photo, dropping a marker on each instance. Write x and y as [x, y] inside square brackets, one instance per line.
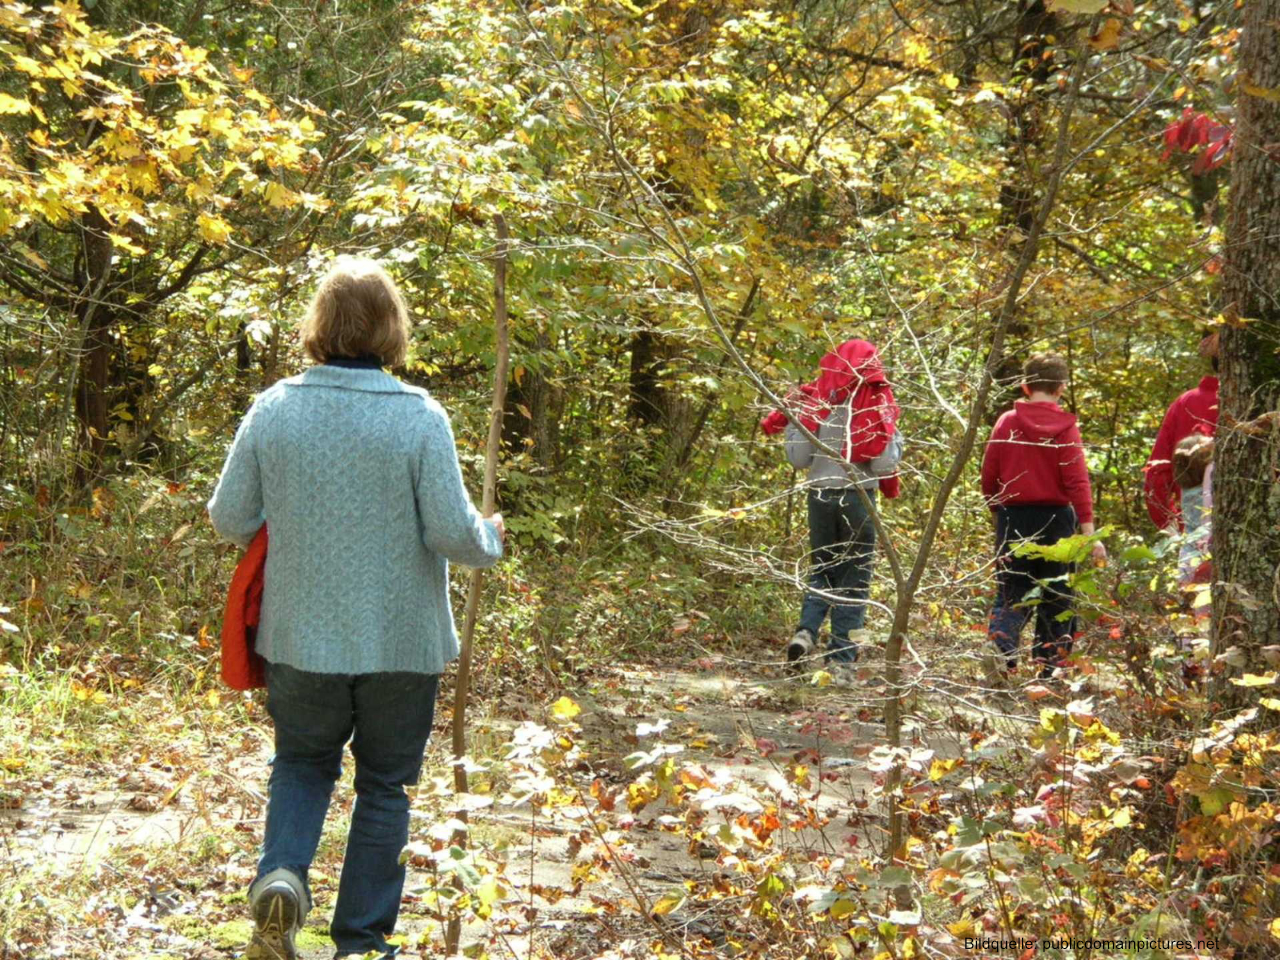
[747, 728]
[731, 725]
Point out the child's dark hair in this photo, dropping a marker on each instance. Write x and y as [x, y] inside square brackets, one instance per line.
[1191, 458]
[1209, 348]
[1045, 371]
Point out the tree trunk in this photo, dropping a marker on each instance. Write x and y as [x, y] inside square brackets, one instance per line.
[1246, 495]
[1036, 32]
[533, 416]
[667, 416]
[648, 397]
[95, 319]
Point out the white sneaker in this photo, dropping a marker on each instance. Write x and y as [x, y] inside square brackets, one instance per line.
[801, 646]
[996, 670]
[843, 673]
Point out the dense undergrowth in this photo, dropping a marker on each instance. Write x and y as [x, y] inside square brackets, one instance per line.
[1117, 802]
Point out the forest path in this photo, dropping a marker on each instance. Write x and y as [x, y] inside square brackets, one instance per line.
[161, 841]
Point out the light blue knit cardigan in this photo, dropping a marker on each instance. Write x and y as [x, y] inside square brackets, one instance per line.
[356, 475]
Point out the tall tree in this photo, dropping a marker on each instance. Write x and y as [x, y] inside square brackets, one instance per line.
[1246, 537]
[129, 166]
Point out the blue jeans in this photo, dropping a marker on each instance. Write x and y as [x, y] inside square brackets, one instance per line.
[315, 714]
[842, 545]
[1016, 577]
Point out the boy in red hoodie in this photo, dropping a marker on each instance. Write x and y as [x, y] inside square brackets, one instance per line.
[1035, 481]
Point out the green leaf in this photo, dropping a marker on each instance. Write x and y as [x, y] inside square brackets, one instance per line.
[895, 876]
[770, 887]
[843, 908]
[1067, 550]
[1215, 801]
[1076, 6]
[1140, 553]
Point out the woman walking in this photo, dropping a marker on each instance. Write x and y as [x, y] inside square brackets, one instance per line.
[356, 476]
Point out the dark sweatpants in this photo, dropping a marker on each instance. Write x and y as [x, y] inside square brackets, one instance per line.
[842, 552]
[1017, 576]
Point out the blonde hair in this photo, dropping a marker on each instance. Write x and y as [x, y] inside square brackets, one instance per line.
[357, 310]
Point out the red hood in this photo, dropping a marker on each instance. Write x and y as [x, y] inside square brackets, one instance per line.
[1041, 420]
[850, 365]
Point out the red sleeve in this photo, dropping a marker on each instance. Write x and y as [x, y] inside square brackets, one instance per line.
[992, 455]
[1162, 506]
[1075, 474]
[774, 422]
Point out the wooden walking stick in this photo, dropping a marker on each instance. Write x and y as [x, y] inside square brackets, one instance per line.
[453, 931]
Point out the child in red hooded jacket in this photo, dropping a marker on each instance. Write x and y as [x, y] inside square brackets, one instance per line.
[850, 407]
[1035, 480]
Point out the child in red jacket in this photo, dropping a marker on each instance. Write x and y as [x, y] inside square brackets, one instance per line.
[1035, 480]
[1195, 411]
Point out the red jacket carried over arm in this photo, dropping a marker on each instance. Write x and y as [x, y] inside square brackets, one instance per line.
[1196, 409]
[242, 666]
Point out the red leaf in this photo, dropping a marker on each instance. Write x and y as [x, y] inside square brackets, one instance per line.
[1194, 130]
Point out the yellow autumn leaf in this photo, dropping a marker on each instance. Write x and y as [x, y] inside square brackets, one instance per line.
[1108, 37]
[10, 104]
[641, 794]
[1265, 93]
[1255, 680]
[213, 229]
[842, 908]
[667, 904]
[940, 768]
[1271, 703]
[87, 694]
[1275, 928]
[125, 243]
[962, 928]
[821, 678]
[201, 189]
[213, 698]
[278, 195]
[565, 709]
